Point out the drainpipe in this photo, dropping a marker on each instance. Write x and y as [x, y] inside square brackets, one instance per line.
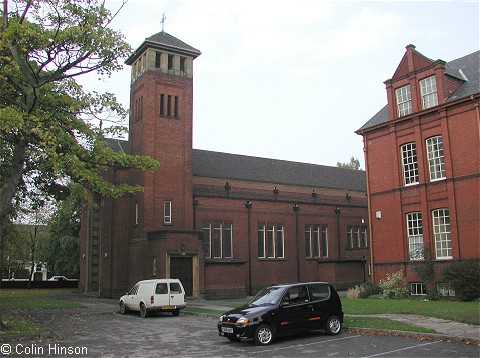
[248, 205]
[295, 209]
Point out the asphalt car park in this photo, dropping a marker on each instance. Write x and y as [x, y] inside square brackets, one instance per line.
[106, 333]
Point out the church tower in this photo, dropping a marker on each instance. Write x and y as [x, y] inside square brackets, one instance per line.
[161, 105]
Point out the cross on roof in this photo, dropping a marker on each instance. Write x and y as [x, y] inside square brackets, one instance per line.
[163, 21]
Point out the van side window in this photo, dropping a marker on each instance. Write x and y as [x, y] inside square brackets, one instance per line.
[134, 290]
[175, 287]
[161, 289]
[320, 291]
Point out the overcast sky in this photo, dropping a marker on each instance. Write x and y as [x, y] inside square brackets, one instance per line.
[293, 80]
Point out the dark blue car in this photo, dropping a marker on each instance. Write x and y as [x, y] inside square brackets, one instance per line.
[282, 310]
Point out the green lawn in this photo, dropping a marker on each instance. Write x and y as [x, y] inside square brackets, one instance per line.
[467, 312]
[34, 299]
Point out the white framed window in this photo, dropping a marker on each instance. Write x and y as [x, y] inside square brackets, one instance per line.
[357, 237]
[404, 101]
[441, 233]
[428, 90]
[136, 213]
[271, 241]
[218, 239]
[409, 164]
[436, 160]
[415, 235]
[167, 212]
[417, 289]
[316, 241]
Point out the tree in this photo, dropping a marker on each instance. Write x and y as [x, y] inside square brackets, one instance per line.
[48, 135]
[63, 248]
[354, 164]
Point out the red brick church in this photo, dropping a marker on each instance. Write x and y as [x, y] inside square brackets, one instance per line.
[225, 224]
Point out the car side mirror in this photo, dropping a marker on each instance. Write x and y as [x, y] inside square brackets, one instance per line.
[285, 303]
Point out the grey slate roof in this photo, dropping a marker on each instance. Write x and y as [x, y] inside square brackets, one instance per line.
[469, 66]
[166, 42]
[241, 167]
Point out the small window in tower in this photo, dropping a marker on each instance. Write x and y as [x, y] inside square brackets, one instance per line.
[182, 65]
[175, 107]
[170, 62]
[162, 105]
[167, 212]
[157, 59]
[169, 106]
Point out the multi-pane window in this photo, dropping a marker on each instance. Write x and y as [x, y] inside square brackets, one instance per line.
[428, 89]
[271, 241]
[218, 239]
[404, 101]
[417, 289]
[357, 237]
[441, 233]
[167, 212]
[168, 110]
[436, 160]
[409, 163]
[316, 241]
[415, 235]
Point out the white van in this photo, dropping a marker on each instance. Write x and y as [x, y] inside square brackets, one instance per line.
[146, 296]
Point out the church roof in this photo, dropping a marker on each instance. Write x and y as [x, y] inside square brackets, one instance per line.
[247, 168]
[465, 68]
[166, 42]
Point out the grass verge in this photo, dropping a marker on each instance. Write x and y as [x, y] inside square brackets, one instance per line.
[34, 299]
[16, 325]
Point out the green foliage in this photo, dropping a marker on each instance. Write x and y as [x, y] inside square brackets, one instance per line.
[464, 278]
[394, 287]
[50, 132]
[354, 164]
[365, 290]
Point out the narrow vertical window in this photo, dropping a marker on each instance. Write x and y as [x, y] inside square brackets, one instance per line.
[169, 106]
[409, 164]
[270, 241]
[316, 240]
[183, 68]
[280, 242]
[157, 59]
[141, 107]
[404, 101]
[436, 160]
[167, 212]
[364, 237]
[175, 107]
[324, 243]
[350, 237]
[441, 233]
[217, 240]
[261, 241]
[428, 89]
[162, 105]
[136, 213]
[154, 266]
[207, 237]
[308, 240]
[227, 239]
[170, 63]
[415, 235]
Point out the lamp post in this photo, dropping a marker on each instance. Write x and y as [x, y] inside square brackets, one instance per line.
[295, 209]
[337, 212]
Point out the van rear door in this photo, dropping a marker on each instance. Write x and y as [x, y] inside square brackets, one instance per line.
[177, 294]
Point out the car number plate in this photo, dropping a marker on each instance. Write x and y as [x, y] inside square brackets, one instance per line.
[227, 329]
[168, 307]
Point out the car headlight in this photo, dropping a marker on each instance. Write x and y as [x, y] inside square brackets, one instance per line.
[243, 320]
[221, 318]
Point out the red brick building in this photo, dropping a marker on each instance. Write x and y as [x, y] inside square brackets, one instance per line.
[224, 224]
[422, 157]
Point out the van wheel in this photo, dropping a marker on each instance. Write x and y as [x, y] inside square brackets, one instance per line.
[143, 310]
[333, 326]
[263, 335]
[175, 313]
[123, 308]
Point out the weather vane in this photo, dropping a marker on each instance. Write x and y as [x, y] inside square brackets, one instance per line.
[163, 21]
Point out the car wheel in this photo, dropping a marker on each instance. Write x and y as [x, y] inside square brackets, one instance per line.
[263, 335]
[175, 313]
[123, 308]
[333, 325]
[143, 310]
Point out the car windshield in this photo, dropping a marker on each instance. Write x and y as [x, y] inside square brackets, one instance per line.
[266, 297]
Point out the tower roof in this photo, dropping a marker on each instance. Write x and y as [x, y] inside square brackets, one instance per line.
[166, 42]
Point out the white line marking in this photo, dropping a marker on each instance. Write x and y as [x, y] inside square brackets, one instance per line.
[402, 349]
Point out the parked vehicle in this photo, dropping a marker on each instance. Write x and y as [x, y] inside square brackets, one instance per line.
[58, 278]
[282, 310]
[167, 295]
